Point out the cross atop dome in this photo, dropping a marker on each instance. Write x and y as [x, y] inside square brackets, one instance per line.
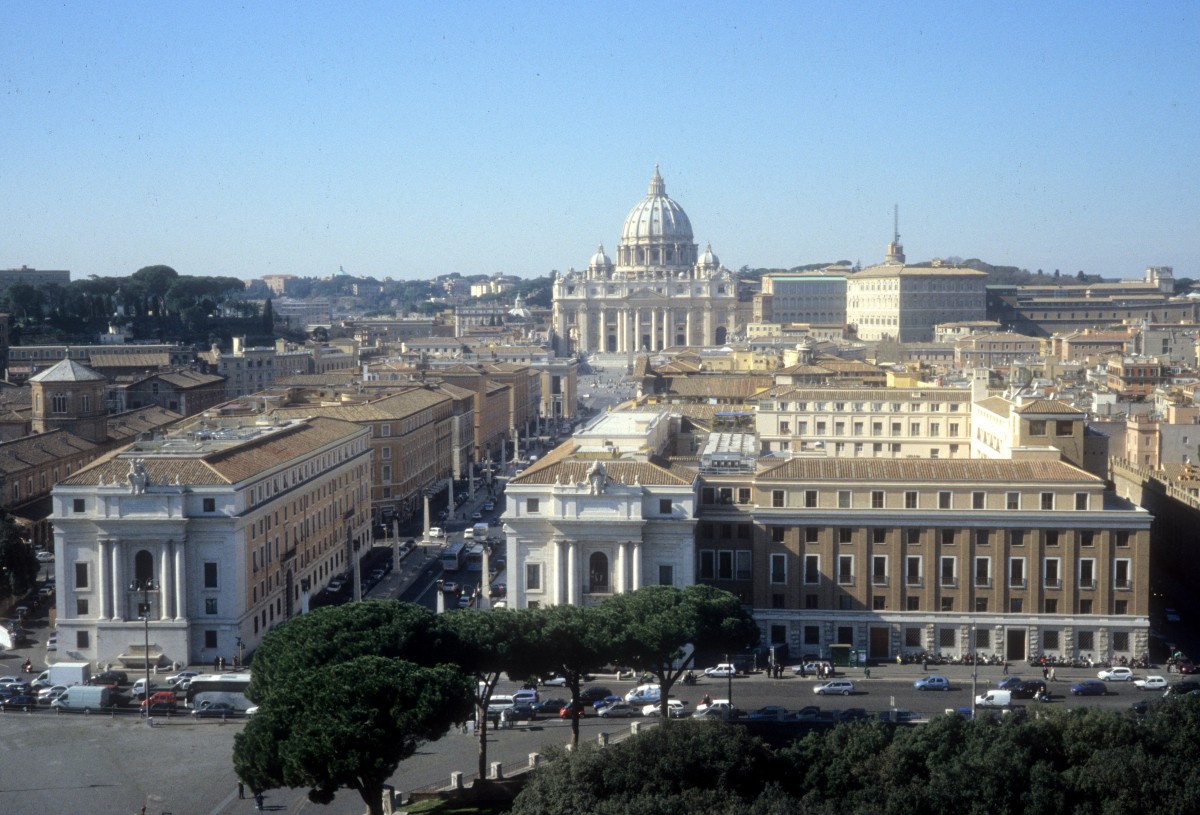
[657, 187]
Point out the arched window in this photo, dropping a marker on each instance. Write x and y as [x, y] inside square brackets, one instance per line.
[598, 572]
[143, 567]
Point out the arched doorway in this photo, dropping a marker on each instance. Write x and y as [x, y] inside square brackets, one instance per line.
[598, 582]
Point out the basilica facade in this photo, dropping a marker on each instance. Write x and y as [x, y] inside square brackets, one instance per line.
[660, 293]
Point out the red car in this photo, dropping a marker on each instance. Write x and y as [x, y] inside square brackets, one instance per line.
[580, 710]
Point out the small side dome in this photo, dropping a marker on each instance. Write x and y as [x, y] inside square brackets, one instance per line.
[600, 260]
[708, 258]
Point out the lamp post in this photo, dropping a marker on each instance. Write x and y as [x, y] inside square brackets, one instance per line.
[241, 646]
[145, 586]
[974, 671]
[729, 683]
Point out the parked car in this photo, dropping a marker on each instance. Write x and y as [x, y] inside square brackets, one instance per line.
[555, 682]
[676, 709]
[1009, 682]
[110, 678]
[932, 682]
[175, 679]
[1151, 683]
[19, 701]
[1028, 689]
[594, 693]
[769, 712]
[854, 714]
[489, 506]
[478, 516]
[215, 710]
[550, 707]
[835, 686]
[51, 693]
[449, 587]
[722, 671]
[1089, 687]
[52, 642]
[619, 710]
[160, 702]
[335, 585]
[812, 668]
[579, 709]
[45, 557]
[1182, 688]
[1118, 674]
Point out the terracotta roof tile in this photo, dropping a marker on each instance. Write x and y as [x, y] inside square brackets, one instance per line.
[939, 471]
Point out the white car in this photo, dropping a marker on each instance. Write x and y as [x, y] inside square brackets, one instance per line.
[675, 708]
[812, 668]
[725, 669]
[52, 643]
[1117, 674]
[48, 695]
[837, 686]
[180, 677]
[1151, 683]
[556, 682]
[45, 557]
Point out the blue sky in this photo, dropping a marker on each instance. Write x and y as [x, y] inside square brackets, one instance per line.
[412, 139]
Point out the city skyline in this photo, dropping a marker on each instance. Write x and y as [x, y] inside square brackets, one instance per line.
[406, 142]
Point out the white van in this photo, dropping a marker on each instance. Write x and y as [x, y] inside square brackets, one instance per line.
[644, 695]
[436, 532]
[994, 698]
[84, 697]
[498, 703]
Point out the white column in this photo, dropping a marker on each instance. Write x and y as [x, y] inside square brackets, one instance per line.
[582, 320]
[102, 579]
[654, 341]
[687, 319]
[572, 576]
[118, 583]
[559, 588]
[637, 331]
[708, 327]
[622, 564]
[637, 565]
[181, 607]
[166, 584]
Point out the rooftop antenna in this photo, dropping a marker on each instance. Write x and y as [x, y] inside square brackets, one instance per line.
[896, 221]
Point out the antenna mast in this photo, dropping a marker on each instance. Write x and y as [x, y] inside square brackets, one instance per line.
[896, 221]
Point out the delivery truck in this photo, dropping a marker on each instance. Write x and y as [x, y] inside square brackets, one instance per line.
[84, 698]
[65, 673]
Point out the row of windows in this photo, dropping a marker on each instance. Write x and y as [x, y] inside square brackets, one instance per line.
[873, 407]
[953, 637]
[913, 499]
[933, 430]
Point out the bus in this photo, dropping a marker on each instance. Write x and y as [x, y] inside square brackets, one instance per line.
[229, 688]
[452, 557]
[474, 557]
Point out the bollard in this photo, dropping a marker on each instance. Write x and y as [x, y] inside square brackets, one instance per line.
[635, 727]
[456, 781]
[535, 760]
[496, 771]
[603, 739]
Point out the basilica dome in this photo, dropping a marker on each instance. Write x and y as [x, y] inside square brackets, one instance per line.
[656, 218]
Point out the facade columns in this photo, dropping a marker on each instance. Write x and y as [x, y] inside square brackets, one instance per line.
[584, 340]
[181, 608]
[708, 327]
[572, 573]
[622, 565]
[654, 342]
[166, 582]
[118, 590]
[637, 566]
[688, 327]
[103, 581]
[637, 331]
[558, 589]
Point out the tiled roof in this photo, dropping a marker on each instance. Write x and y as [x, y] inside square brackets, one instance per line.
[996, 404]
[148, 360]
[727, 385]
[388, 408]
[940, 471]
[1037, 406]
[575, 471]
[897, 270]
[21, 454]
[68, 370]
[222, 466]
[869, 394]
[188, 379]
[130, 423]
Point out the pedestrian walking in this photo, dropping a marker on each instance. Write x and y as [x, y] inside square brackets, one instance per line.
[1006, 667]
[1052, 673]
[258, 801]
[241, 791]
[1045, 673]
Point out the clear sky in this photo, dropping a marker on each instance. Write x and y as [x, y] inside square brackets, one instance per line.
[413, 139]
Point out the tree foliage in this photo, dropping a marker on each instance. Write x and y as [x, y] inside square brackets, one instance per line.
[348, 724]
[18, 564]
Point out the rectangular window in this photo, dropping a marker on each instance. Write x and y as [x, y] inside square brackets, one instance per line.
[81, 639]
[846, 570]
[666, 574]
[78, 505]
[210, 639]
[1122, 539]
[777, 498]
[777, 534]
[708, 564]
[878, 535]
[947, 573]
[978, 499]
[1121, 572]
[946, 536]
[1050, 606]
[845, 534]
[1087, 640]
[533, 577]
[1016, 537]
[843, 499]
[81, 607]
[744, 565]
[1120, 640]
[1016, 605]
[1087, 537]
[725, 565]
[812, 635]
[810, 499]
[779, 569]
[912, 536]
[210, 605]
[983, 571]
[1087, 573]
[912, 603]
[1012, 500]
[531, 505]
[1037, 427]
[877, 499]
[912, 570]
[664, 506]
[1064, 428]
[210, 575]
[981, 605]
[943, 500]
[947, 637]
[1081, 500]
[81, 575]
[210, 504]
[1052, 573]
[1016, 572]
[743, 495]
[1047, 500]
[879, 572]
[912, 637]
[910, 499]
[812, 569]
[812, 534]
[1051, 537]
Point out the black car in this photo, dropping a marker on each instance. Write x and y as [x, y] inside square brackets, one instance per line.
[854, 714]
[550, 707]
[1029, 689]
[215, 710]
[522, 712]
[1183, 687]
[110, 678]
[593, 694]
[19, 701]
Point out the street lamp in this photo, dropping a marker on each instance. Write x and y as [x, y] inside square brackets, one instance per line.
[241, 646]
[145, 586]
[974, 671]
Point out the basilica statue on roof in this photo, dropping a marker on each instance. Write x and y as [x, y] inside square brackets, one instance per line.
[661, 293]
